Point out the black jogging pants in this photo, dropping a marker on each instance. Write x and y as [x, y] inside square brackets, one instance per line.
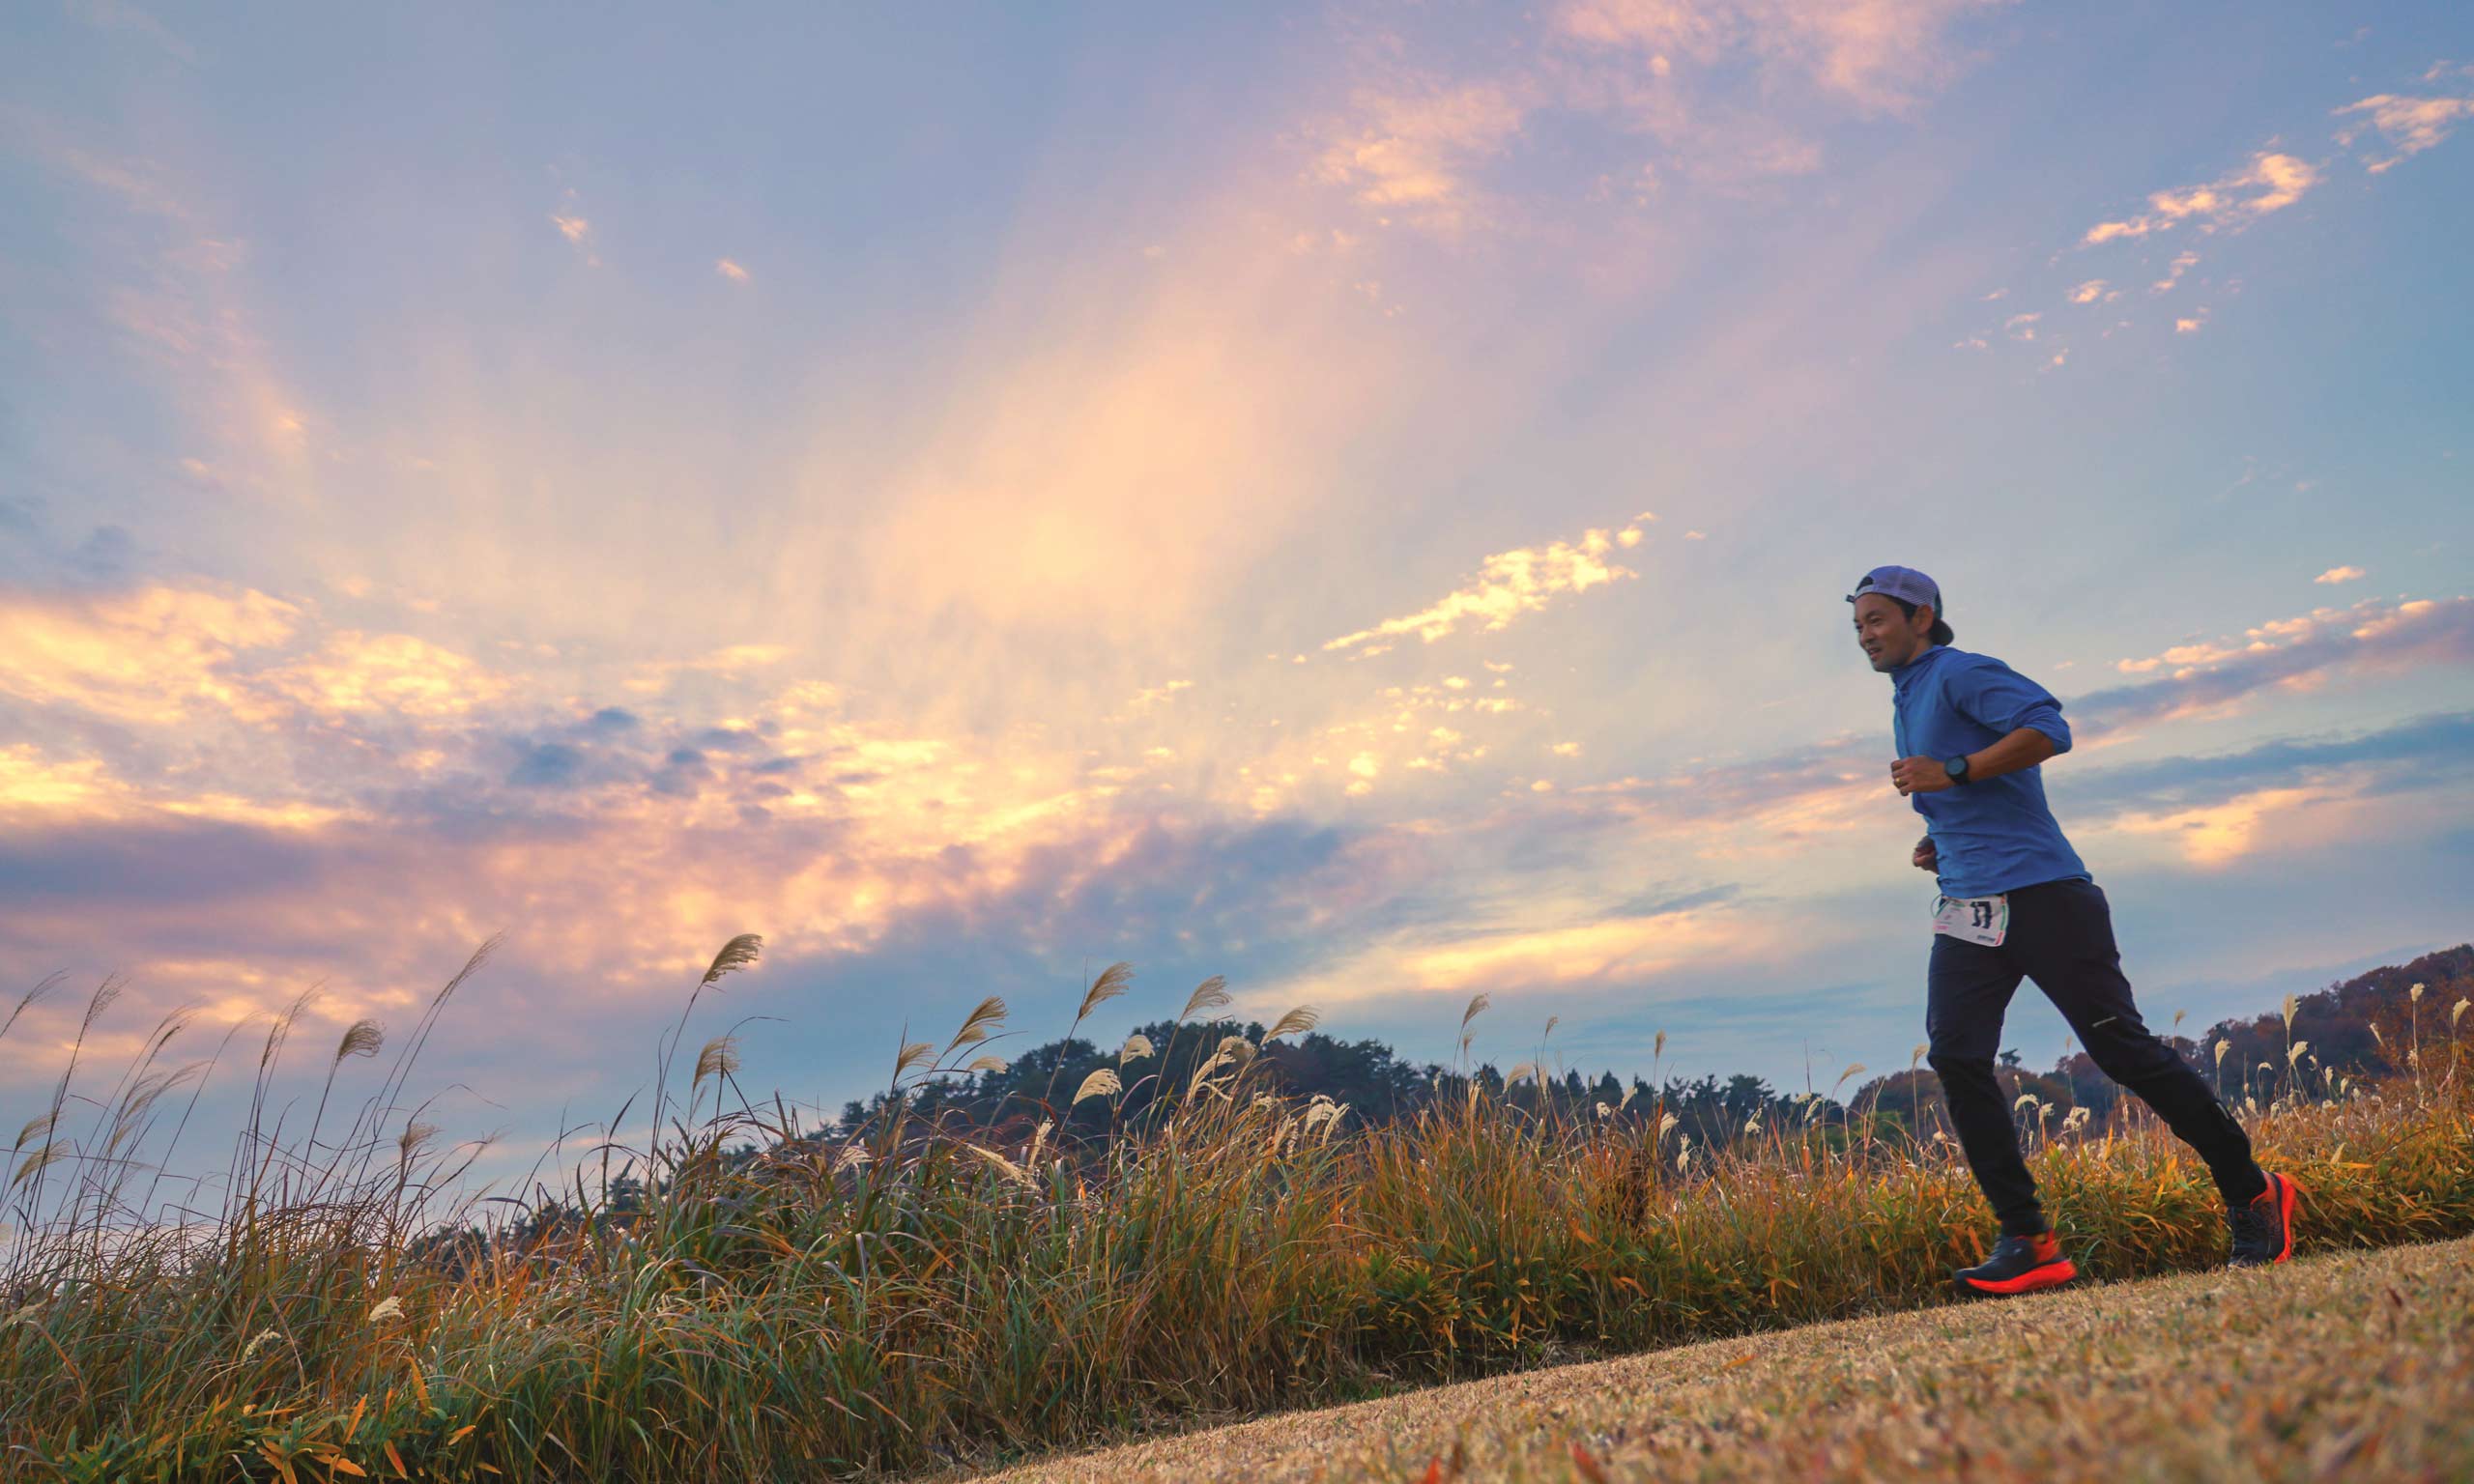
[2061, 936]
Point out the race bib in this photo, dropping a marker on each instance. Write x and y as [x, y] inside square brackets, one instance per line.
[1973, 919]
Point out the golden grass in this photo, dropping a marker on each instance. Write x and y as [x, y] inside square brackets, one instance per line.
[916, 1295]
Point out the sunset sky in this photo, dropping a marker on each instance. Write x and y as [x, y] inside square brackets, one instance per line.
[1355, 499]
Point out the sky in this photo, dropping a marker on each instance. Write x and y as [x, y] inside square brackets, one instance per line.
[1353, 499]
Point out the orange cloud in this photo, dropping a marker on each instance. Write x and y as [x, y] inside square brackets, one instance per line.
[2272, 183]
[2218, 834]
[1509, 584]
[2409, 124]
[394, 673]
[2334, 575]
[153, 657]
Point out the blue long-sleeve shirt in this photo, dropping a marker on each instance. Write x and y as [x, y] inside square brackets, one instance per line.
[1996, 835]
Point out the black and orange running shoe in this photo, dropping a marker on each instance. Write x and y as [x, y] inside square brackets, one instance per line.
[2019, 1265]
[2263, 1229]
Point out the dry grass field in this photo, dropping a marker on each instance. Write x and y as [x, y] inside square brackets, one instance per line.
[2355, 1366]
[911, 1294]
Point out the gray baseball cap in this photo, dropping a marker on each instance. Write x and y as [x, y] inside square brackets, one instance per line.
[1905, 583]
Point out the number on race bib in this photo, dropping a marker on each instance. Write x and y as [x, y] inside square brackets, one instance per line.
[1979, 920]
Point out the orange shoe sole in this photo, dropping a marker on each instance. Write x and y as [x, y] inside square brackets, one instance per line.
[2289, 1197]
[2051, 1274]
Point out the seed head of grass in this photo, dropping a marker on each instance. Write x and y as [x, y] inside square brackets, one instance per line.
[1211, 995]
[263, 1337]
[364, 1039]
[988, 1013]
[991, 1063]
[1107, 987]
[2294, 1053]
[2415, 994]
[37, 1162]
[1136, 1045]
[737, 953]
[2222, 1047]
[1297, 1021]
[2291, 1003]
[1002, 1165]
[37, 1128]
[1102, 1083]
[1478, 1002]
[415, 1135]
[390, 1307]
[911, 1056]
[718, 1059]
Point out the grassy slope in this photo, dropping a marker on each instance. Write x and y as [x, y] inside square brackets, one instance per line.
[2354, 1365]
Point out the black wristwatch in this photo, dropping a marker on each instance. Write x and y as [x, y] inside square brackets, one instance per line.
[1957, 768]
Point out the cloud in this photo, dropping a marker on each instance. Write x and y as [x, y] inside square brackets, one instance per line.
[729, 270]
[1509, 584]
[2409, 124]
[1417, 145]
[1880, 56]
[2270, 184]
[2089, 292]
[2334, 575]
[396, 674]
[2219, 834]
[2371, 635]
[1412, 150]
[576, 229]
[2183, 263]
[154, 656]
[2426, 752]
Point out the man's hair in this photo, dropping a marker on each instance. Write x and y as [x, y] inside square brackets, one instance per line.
[1940, 634]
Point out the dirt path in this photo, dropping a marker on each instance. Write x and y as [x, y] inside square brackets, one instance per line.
[2350, 1366]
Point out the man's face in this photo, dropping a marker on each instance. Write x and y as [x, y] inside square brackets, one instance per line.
[1890, 638]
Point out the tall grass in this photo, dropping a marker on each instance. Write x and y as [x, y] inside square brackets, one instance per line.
[910, 1294]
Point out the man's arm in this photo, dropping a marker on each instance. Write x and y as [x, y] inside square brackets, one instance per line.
[2023, 748]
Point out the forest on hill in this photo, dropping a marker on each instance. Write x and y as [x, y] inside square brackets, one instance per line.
[2367, 1026]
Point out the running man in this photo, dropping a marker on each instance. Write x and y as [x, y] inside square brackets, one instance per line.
[2016, 902]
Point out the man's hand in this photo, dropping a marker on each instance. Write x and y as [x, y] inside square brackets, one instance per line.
[1926, 857]
[1919, 775]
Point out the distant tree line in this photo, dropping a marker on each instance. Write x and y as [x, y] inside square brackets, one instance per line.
[2361, 1027]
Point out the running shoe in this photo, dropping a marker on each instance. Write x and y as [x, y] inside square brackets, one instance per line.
[2263, 1229]
[2019, 1265]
